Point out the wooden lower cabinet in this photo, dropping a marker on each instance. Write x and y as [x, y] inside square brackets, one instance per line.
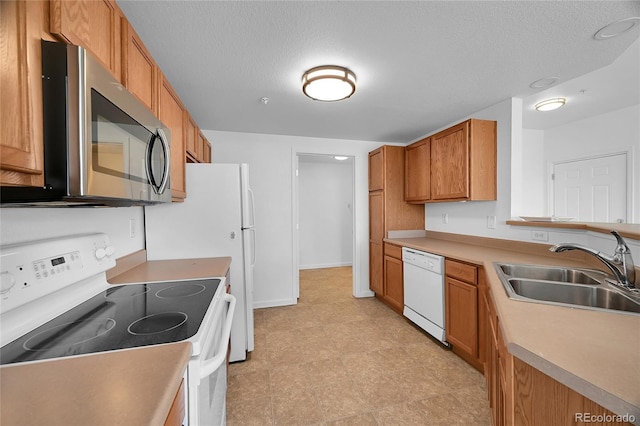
[375, 265]
[393, 293]
[178, 409]
[461, 311]
[520, 394]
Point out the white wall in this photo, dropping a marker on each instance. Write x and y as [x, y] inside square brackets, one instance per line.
[272, 158]
[325, 213]
[529, 193]
[27, 224]
[611, 133]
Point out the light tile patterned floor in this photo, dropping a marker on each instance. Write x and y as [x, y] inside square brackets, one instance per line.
[333, 359]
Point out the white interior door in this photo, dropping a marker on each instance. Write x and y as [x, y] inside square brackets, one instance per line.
[591, 190]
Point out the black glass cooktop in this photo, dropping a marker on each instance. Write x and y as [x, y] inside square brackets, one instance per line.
[121, 317]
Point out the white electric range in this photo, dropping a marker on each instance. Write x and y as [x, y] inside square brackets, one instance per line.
[55, 302]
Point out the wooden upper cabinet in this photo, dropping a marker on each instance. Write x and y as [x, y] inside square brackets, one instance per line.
[171, 113]
[450, 163]
[190, 137]
[459, 163]
[201, 147]
[206, 152]
[139, 70]
[92, 24]
[376, 169]
[417, 183]
[22, 26]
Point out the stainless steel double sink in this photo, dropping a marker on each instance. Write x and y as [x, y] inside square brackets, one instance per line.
[573, 287]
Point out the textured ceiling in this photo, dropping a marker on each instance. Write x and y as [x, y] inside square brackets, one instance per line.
[420, 65]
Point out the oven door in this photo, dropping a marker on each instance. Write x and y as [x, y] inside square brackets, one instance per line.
[207, 375]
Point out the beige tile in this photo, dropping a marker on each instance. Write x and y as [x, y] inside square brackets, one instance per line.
[340, 399]
[326, 371]
[255, 412]
[248, 386]
[382, 391]
[366, 419]
[288, 378]
[296, 408]
[445, 410]
[333, 359]
[406, 414]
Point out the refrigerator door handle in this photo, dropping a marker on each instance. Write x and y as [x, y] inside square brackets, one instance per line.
[252, 210]
[253, 247]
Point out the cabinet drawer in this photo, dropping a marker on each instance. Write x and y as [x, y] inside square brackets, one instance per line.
[393, 250]
[461, 271]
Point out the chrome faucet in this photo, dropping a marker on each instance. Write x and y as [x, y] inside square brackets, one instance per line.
[621, 263]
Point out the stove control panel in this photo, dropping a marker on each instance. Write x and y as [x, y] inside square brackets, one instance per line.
[32, 270]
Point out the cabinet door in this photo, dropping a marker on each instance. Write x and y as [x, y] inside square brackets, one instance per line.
[462, 314]
[376, 217]
[376, 234]
[92, 24]
[450, 163]
[21, 138]
[376, 268]
[376, 169]
[171, 114]
[201, 141]
[417, 171]
[190, 137]
[139, 70]
[393, 285]
[206, 152]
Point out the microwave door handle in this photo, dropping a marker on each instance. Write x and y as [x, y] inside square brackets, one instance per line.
[167, 161]
[147, 163]
[207, 367]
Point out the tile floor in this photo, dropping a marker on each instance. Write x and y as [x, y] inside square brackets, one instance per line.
[333, 359]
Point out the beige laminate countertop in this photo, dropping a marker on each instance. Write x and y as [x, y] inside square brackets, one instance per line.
[179, 269]
[126, 387]
[594, 353]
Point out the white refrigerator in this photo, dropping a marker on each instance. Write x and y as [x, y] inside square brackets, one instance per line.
[216, 219]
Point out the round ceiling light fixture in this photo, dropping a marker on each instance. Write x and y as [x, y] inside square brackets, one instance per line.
[544, 82]
[329, 83]
[550, 104]
[616, 28]
[340, 157]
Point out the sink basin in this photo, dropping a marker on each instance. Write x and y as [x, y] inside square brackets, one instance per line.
[550, 273]
[587, 296]
[573, 287]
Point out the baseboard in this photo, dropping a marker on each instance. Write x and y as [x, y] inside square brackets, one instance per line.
[325, 265]
[273, 303]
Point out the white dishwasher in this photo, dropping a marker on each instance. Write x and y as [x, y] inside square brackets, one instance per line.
[424, 291]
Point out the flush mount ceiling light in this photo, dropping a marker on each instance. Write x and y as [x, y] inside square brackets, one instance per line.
[340, 157]
[550, 104]
[328, 83]
[543, 82]
[616, 28]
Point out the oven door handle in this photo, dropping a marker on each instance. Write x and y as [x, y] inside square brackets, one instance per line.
[209, 366]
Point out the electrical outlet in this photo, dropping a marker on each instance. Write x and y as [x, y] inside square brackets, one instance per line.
[540, 235]
[491, 222]
[445, 218]
[132, 228]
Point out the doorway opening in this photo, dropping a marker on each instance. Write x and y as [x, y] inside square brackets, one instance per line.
[323, 214]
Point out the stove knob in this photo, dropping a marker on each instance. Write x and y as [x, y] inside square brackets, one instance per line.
[109, 250]
[100, 253]
[7, 280]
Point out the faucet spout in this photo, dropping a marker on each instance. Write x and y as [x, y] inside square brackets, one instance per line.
[620, 264]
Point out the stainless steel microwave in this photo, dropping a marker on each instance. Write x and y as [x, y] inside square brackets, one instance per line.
[102, 146]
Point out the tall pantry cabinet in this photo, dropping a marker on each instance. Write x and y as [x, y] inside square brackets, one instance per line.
[388, 211]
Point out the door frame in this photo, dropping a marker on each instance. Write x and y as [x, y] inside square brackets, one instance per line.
[296, 221]
[629, 178]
